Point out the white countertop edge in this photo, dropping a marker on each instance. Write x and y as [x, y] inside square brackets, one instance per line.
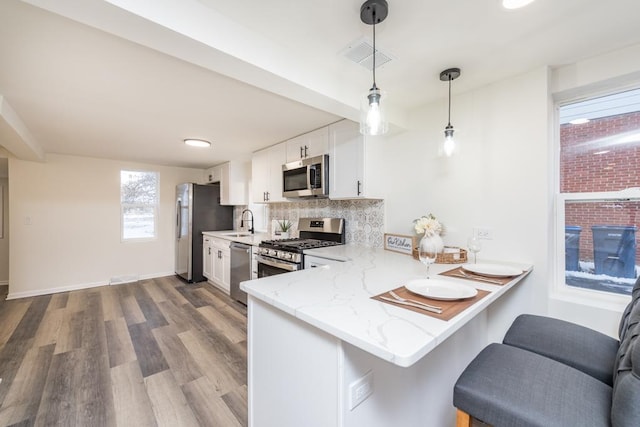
[427, 332]
[402, 360]
[253, 239]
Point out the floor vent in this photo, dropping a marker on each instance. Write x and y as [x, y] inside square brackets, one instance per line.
[361, 52]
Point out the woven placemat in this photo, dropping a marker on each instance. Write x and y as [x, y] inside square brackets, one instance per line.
[449, 308]
[459, 273]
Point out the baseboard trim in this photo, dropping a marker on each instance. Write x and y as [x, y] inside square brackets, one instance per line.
[4, 282]
[38, 292]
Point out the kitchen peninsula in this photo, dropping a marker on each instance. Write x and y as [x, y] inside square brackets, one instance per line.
[323, 353]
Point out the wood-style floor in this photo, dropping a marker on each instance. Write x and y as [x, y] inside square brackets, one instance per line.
[156, 352]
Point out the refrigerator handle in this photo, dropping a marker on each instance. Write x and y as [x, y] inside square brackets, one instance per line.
[178, 215]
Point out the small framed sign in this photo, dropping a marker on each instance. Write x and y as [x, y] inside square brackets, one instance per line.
[399, 243]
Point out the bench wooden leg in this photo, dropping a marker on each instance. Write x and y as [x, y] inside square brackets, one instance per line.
[463, 419]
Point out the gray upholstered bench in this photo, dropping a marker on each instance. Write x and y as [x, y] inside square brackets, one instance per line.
[553, 373]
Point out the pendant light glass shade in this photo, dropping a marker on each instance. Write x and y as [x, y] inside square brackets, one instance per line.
[373, 120]
[449, 143]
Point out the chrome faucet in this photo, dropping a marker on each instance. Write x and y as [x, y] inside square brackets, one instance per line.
[252, 230]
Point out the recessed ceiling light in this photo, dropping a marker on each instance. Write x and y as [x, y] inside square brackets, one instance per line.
[515, 4]
[197, 143]
[579, 121]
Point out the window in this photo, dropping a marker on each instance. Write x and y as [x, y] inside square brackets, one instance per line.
[139, 199]
[599, 192]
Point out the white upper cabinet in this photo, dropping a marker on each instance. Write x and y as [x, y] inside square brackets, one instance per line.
[350, 177]
[212, 175]
[266, 174]
[233, 177]
[310, 144]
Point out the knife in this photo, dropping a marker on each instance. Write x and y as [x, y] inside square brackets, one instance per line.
[410, 304]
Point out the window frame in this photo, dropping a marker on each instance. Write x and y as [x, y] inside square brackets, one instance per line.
[156, 210]
[559, 290]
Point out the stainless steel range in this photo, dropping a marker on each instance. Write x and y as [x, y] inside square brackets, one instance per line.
[284, 255]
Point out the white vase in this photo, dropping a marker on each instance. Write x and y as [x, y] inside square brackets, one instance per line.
[436, 239]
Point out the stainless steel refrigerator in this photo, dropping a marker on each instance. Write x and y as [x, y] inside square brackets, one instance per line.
[198, 209]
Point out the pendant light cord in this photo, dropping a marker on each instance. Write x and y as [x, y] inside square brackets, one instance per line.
[449, 120]
[374, 47]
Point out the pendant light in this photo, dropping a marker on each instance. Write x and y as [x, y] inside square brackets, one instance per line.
[449, 75]
[373, 120]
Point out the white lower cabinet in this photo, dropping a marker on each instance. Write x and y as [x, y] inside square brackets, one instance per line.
[207, 259]
[217, 262]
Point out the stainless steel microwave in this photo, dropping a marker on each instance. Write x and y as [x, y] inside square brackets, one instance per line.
[306, 178]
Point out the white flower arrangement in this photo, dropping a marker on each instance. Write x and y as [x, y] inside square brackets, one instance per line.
[428, 225]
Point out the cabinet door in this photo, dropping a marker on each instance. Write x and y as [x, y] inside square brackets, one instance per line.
[226, 269]
[317, 142]
[295, 148]
[218, 266]
[308, 145]
[213, 174]
[260, 176]
[346, 161]
[207, 258]
[235, 183]
[277, 157]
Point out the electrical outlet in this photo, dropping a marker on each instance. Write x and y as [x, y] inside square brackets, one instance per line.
[360, 389]
[484, 233]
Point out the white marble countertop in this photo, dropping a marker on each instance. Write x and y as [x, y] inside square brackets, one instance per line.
[239, 236]
[336, 299]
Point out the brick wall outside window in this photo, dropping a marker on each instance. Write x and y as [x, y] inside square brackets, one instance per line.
[583, 170]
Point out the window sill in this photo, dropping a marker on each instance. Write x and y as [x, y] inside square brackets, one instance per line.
[590, 298]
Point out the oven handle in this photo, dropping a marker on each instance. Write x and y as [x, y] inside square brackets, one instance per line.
[283, 265]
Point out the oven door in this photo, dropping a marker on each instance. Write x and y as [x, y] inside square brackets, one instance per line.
[270, 266]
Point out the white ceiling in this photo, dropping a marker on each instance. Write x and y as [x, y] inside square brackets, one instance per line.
[129, 80]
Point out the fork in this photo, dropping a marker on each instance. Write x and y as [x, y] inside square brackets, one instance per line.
[478, 277]
[399, 298]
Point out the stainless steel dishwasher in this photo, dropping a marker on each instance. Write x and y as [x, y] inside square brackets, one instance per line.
[240, 269]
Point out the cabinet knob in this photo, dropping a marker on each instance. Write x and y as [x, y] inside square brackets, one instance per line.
[305, 151]
[359, 184]
[301, 156]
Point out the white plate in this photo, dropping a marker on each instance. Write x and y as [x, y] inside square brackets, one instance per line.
[492, 270]
[439, 289]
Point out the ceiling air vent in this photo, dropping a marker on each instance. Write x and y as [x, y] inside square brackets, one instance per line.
[361, 52]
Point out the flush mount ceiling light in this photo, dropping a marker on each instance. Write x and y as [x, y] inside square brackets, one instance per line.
[515, 4]
[449, 143]
[373, 120]
[197, 143]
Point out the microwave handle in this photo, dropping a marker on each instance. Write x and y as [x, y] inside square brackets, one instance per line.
[311, 176]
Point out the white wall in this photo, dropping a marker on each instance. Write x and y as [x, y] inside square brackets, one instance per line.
[499, 178]
[503, 177]
[73, 239]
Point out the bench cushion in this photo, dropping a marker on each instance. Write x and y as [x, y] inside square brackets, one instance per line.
[625, 409]
[509, 386]
[587, 350]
